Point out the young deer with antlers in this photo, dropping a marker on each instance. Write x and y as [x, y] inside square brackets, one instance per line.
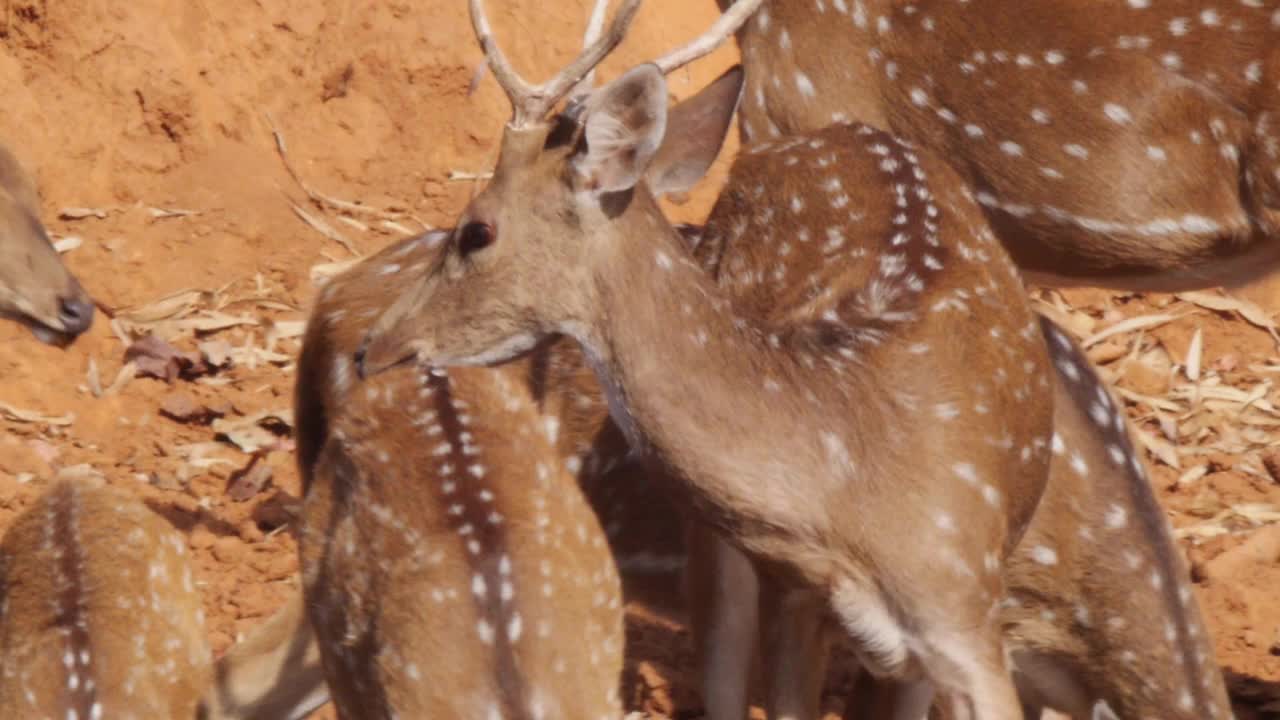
[793, 424]
[35, 287]
[447, 558]
[99, 615]
[1133, 144]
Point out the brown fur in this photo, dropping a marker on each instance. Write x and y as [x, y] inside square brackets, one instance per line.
[99, 614]
[404, 473]
[1110, 142]
[36, 289]
[801, 478]
[1099, 609]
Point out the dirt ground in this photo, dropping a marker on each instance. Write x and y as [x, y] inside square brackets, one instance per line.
[160, 133]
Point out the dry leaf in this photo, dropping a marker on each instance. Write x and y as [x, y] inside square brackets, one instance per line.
[162, 213]
[1247, 310]
[216, 352]
[127, 372]
[16, 414]
[1194, 356]
[1271, 461]
[249, 480]
[174, 305]
[182, 407]
[1142, 322]
[319, 225]
[1162, 449]
[156, 358]
[80, 213]
[94, 378]
[256, 433]
[68, 243]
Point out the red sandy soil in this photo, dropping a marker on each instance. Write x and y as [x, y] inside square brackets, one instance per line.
[127, 107]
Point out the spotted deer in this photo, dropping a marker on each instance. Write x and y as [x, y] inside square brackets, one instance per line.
[451, 566]
[99, 614]
[791, 424]
[1131, 143]
[36, 289]
[1099, 616]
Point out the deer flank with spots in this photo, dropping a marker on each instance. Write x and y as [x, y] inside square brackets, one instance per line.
[809, 480]
[1134, 145]
[1099, 616]
[99, 613]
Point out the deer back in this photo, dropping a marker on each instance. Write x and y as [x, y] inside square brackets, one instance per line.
[851, 225]
[1100, 611]
[1081, 181]
[99, 615]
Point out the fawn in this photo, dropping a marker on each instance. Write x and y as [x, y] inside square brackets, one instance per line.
[445, 558]
[36, 289]
[99, 614]
[791, 427]
[1133, 144]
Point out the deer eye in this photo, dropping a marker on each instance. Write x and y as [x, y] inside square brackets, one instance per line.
[475, 236]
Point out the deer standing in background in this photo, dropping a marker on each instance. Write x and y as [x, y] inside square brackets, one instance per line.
[1128, 143]
[99, 614]
[35, 287]
[794, 428]
[451, 566]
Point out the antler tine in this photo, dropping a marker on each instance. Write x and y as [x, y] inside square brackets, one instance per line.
[724, 26]
[530, 103]
[560, 85]
[595, 25]
[519, 92]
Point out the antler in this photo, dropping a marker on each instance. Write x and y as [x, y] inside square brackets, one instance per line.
[595, 25]
[724, 26]
[530, 103]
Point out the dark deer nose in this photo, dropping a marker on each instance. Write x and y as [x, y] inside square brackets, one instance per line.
[76, 313]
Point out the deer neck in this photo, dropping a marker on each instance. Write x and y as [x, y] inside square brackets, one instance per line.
[713, 394]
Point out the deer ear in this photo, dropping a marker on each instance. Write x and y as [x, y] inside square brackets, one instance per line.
[696, 130]
[625, 122]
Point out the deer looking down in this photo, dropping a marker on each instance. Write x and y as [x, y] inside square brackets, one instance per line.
[795, 429]
[1134, 144]
[451, 566]
[35, 287]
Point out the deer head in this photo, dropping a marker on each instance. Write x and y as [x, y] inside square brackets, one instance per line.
[36, 289]
[566, 191]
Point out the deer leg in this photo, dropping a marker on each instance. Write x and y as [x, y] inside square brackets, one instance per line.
[875, 698]
[957, 649]
[795, 647]
[723, 592]
[973, 679]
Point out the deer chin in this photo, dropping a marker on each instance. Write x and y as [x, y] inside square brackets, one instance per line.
[502, 352]
[43, 332]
